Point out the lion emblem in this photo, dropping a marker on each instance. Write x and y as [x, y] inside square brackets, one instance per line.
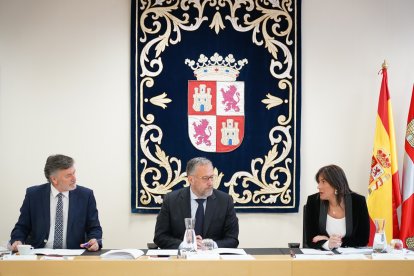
[202, 132]
[231, 98]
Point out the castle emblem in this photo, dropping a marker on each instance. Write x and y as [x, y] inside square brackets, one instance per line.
[202, 98]
[230, 133]
[216, 103]
[409, 136]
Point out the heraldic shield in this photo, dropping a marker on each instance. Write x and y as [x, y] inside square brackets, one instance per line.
[216, 115]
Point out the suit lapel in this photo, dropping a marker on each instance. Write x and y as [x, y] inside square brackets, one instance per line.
[348, 215]
[184, 206]
[71, 212]
[211, 207]
[45, 203]
[323, 212]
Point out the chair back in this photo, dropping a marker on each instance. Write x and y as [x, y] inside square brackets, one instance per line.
[304, 240]
[151, 245]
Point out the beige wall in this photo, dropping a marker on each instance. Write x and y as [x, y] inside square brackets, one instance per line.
[64, 88]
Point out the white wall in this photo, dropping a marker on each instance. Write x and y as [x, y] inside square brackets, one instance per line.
[64, 88]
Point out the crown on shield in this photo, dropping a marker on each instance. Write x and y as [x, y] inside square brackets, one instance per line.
[216, 67]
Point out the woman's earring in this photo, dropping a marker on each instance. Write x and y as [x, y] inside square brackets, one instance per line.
[336, 192]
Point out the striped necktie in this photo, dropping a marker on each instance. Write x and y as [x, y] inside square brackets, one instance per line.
[58, 240]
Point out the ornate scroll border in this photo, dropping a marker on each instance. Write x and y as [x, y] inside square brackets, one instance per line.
[150, 138]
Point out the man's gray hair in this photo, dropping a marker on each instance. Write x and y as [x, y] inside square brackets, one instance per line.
[193, 163]
[57, 162]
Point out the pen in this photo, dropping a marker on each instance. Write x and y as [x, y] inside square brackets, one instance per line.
[87, 244]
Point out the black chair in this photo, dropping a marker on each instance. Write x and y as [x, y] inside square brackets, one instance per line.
[151, 245]
[304, 240]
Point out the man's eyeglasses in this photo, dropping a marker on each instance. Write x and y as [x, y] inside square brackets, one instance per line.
[206, 178]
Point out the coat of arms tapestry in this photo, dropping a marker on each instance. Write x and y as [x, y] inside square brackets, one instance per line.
[218, 79]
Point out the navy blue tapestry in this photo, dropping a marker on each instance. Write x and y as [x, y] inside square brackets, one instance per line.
[219, 79]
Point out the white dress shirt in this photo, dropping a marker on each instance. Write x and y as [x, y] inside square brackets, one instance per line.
[194, 206]
[334, 226]
[53, 203]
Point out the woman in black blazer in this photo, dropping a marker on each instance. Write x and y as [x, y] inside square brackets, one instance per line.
[335, 216]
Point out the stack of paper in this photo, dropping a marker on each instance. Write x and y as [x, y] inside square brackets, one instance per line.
[162, 252]
[387, 256]
[229, 251]
[58, 252]
[311, 251]
[19, 257]
[123, 254]
[353, 250]
[203, 256]
[331, 257]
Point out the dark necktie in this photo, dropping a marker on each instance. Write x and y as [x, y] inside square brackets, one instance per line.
[58, 240]
[199, 217]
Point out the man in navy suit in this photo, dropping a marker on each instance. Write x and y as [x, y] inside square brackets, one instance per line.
[220, 222]
[79, 224]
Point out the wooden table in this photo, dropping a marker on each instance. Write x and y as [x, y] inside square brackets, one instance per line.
[267, 265]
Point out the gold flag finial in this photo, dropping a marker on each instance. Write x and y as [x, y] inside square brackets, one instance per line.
[384, 64]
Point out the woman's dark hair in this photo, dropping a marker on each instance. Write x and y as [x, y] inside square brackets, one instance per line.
[335, 176]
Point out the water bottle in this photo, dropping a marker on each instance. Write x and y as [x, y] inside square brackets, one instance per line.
[189, 240]
[380, 241]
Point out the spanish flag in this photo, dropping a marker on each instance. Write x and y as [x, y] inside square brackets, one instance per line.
[384, 195]
[407, 215]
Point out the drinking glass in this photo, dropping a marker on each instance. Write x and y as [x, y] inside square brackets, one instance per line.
[207, 244]
[396, 246]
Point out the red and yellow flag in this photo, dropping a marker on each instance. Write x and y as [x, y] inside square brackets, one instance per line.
[384, 195]
[407, 215]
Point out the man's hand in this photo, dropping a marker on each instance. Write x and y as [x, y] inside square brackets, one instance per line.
[91, 245]
[13, 247]
[199, 241]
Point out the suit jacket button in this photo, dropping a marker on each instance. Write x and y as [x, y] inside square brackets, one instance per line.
[45, 241]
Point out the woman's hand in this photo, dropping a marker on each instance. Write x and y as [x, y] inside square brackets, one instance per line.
[335, 241]
[320, 238]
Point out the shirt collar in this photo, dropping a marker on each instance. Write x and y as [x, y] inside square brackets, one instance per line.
[193, 196]
[55, 192]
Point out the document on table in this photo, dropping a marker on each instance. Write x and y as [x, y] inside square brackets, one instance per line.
[19, 258]
[237, 257]
[311, 251]
[57, 258]
[162, 252]
[203, 256]
[387, 256]
[58, 252]
[353, 250]
[331, 257]
[129, 253]
[234, 251]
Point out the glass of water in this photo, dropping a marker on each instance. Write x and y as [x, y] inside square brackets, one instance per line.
[396, 246]
[207, 244]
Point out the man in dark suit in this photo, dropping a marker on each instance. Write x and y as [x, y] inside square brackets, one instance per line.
[220, 222]
[58, 214]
